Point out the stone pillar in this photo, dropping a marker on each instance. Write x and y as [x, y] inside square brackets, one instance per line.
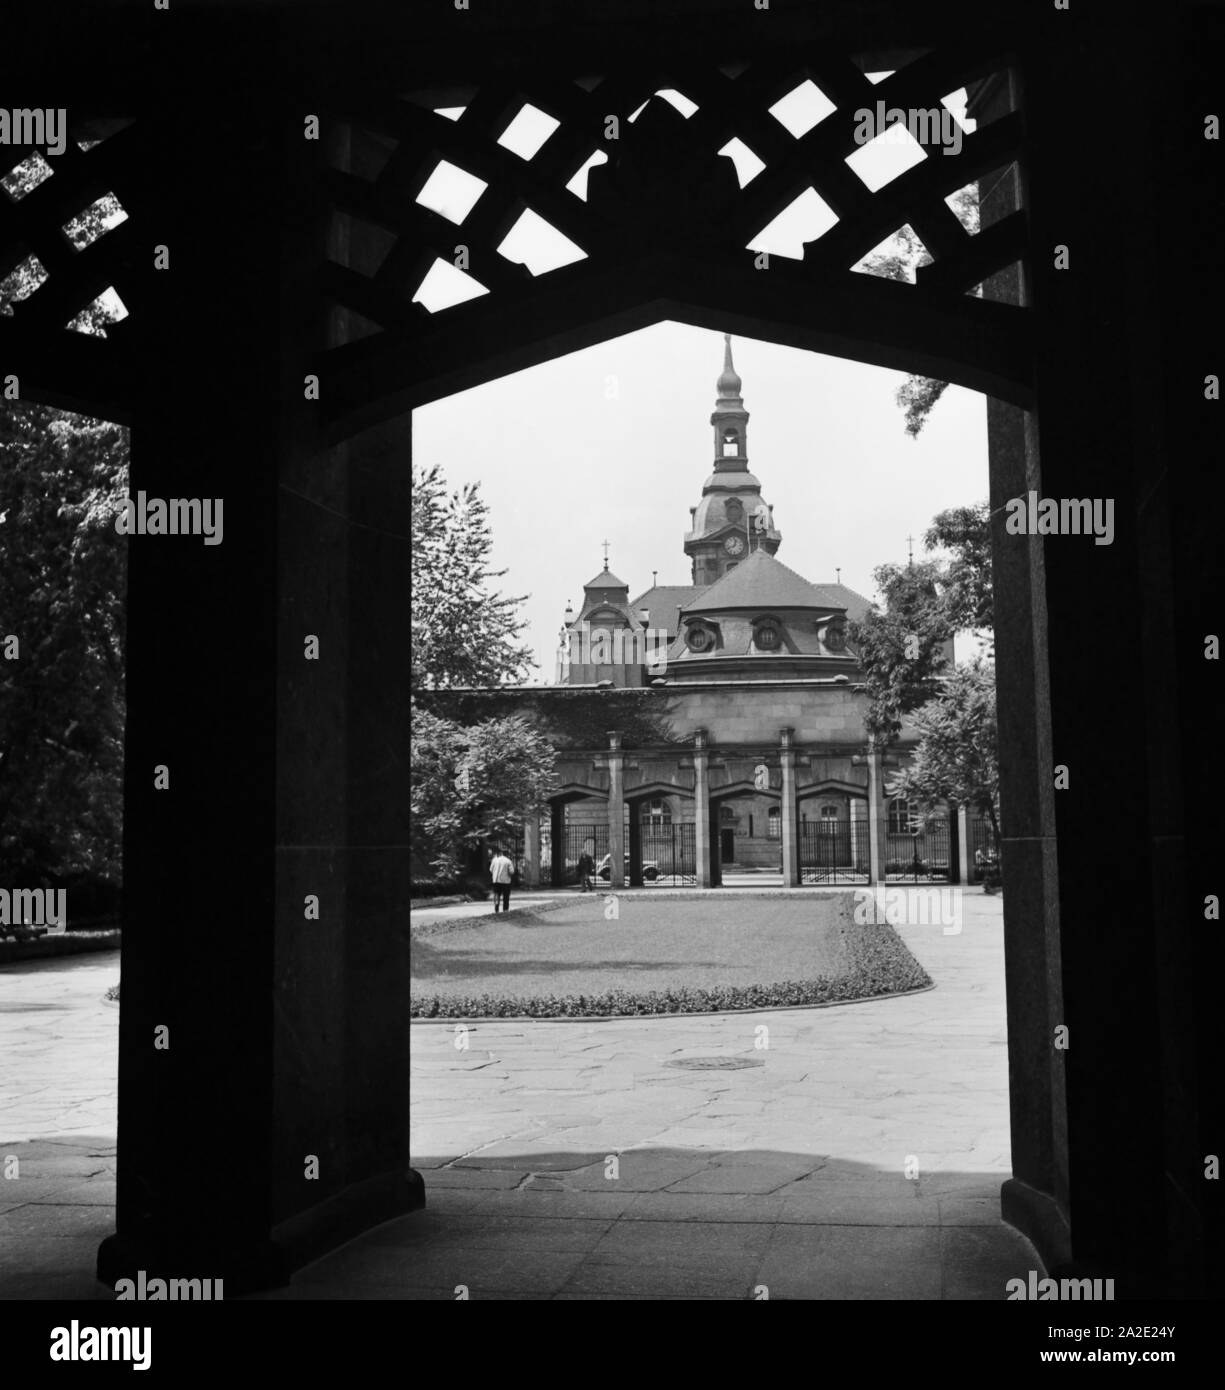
[789, 813]
[616, 812]
[531, 851]
[962, 831]
[635, 824]
[878, 820]
[701, 809]
[557, 837]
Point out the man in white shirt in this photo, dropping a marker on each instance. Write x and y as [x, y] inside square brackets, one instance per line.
[501, 870]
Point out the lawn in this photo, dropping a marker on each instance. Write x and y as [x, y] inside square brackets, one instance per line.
[683, 956]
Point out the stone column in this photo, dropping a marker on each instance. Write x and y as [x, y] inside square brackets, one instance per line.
[616, 812]
[701, 809]
[635, 824]
[878, 820]
[531, 851]
[789, 815]
[962, 831]
[557, 846]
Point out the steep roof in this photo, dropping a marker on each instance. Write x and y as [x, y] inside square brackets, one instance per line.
[664, 602]
[761, 581]
[605, 580]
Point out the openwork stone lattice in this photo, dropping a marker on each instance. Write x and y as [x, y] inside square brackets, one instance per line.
[630, 169]
[69, 253]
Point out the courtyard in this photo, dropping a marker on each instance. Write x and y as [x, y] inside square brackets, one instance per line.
[854, 1151]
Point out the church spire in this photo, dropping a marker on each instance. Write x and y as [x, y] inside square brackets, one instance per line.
[729, 384]
[730, 418]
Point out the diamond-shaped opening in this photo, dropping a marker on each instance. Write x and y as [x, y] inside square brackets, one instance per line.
[748, 166]
[106, 308]
[875, 77]
[803, 220]
[956, 102]
[528, 131]
[887, 155]
[451, 192]
[21, 282]
[366, 243]
[452, 113]
[897, 257]
[802, 108]
[679, 100]
[578, 184]
[25, 177]
[537, 244]
[446, 285]
[95, 221]
[963, 203]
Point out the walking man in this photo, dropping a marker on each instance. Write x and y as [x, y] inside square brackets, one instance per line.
[500, 872]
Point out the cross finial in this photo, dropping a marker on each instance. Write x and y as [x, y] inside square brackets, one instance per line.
[910, 544]
[838, 573]
[654, 578]
[605, 544]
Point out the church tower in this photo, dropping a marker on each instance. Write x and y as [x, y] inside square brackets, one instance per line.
[731, 521]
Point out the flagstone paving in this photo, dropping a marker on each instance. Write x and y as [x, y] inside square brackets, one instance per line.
[862, 1159]
[786, 1180]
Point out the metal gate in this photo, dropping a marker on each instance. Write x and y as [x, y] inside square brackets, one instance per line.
[982, 849]
[834, 851]
[669, 854]
[593, 837]
[923, 854]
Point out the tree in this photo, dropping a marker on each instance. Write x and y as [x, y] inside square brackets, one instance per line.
[476, 779]
[902, 645]
[957, 755]
[462, 633]
[472, 785]
[966, 587]
[902, 255]
[62, 586]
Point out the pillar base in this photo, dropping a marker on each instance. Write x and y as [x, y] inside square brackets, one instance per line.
[1037, 1216]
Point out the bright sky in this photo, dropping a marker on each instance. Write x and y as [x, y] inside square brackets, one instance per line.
[615, 441]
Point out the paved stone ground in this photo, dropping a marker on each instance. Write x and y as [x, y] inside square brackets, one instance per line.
[59, 1041]
[788, 1175]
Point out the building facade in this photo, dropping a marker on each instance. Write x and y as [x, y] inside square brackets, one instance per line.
[766, 766]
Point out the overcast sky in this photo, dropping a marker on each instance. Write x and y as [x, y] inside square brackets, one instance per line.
[615, 442]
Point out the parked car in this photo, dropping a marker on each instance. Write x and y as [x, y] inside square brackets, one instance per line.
[650, 869]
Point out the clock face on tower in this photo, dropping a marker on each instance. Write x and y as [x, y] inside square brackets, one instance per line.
[734, 545]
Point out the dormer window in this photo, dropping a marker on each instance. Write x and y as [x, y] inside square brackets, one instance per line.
[700, 637]
[767, 635]
[734, 510]
[834, 635]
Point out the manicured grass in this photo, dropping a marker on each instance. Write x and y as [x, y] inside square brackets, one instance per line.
[690, 956]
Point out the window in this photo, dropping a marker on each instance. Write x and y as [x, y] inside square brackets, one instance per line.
[903, 818]
[829, 819]
[727, 814]
[767, 635]
[731, 444]
[774, 823]
[734, 509]
[656, 812]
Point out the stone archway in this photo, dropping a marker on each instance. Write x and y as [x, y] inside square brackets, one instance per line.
[290, 771]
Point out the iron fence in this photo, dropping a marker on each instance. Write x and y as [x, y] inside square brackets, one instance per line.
[834, 852]
[923, 854]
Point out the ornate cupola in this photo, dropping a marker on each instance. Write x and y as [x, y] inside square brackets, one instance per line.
[731, 521]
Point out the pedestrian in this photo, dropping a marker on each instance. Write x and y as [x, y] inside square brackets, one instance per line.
[586, 868]
[500, 873]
